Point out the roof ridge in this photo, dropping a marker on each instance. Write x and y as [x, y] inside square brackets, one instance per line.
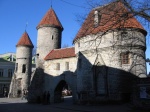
[105, 5]
[61, 53]
[64, 48]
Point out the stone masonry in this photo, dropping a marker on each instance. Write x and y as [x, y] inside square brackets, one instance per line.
[102, 65]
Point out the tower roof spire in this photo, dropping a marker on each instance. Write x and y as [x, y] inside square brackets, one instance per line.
[51, 3]
[50, 19]
[25, 40]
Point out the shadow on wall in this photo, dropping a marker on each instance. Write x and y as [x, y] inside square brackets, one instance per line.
[89, 83]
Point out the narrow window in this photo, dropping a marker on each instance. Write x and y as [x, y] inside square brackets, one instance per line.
[124, 35]
[52, 37]
[67, 65]
[57, 66]
[23, 68]
[9, 72]
[78, 44]
[1, 72]
[16, 67]
[80, 63]
[125, 58]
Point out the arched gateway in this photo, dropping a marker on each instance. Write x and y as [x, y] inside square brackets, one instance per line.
[101, 66]
[62, 89]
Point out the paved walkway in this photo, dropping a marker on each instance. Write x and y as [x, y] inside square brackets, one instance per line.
[18, 105]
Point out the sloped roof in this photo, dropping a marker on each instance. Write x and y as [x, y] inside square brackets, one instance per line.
[112, 16]
[25, 40]
[50, 19]
[61, 53]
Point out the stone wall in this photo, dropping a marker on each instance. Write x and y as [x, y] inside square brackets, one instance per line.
[21, 80]
[104, 51]
[53, 76]
[141, 94]
[49, 38]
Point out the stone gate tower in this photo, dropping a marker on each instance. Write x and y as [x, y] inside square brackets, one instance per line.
[49, 36]
[22, 74]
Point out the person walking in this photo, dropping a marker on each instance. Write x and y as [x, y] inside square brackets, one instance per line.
[44, 98]
[48, 97]
[23, 94]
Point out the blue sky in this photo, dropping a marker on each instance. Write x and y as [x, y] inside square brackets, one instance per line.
[14, 14]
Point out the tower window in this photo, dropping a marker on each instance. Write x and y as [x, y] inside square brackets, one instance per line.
[67, 65]
[125, 58]
[23, 68]
[1, 72]
[16, 67]
[57, 66]
[9, 72]
[52, 37]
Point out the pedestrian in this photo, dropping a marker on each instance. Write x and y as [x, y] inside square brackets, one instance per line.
[23, 94]
[48, 97]
[5, 93]
[44, 98]
[26, 94]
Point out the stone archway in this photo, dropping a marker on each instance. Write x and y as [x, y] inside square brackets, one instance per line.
[58, 91]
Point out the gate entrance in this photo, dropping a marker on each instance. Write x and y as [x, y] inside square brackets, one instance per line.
[62, 90]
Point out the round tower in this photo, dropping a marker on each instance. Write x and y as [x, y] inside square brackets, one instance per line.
[23, 61]
[49, 36]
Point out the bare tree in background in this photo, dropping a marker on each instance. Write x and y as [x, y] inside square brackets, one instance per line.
[127, 35]
[65, 46]
[140, 8]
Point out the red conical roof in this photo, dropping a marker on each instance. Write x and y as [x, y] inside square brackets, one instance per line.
[113, 16]
[50, 19]
[25, 40]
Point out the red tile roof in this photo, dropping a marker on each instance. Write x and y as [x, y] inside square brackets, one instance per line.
[113, 16]
[61, 53]
[25, 40]
[50, 19]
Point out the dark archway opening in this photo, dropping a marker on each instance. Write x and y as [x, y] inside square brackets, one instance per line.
[62, 90]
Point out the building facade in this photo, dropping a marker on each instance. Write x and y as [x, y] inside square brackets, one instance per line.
[7, 66]
[109, 54]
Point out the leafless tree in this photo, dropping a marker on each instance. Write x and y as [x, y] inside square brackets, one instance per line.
[65, 45]
[119, 18]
